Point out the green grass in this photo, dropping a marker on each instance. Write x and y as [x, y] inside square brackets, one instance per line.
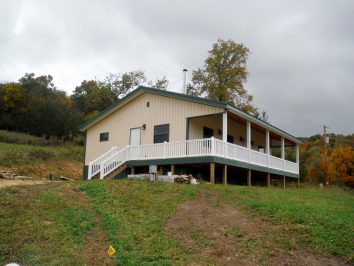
[134, 215]
[43, 231]
[40, 226]
[20, 138]
[14, 154]
[322, 219]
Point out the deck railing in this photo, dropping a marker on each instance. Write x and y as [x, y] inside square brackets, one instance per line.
[111, 160]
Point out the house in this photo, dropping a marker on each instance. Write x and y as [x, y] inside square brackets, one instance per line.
[180, 133]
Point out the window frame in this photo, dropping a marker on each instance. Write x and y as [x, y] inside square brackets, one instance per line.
[157, 136]
[104, 136]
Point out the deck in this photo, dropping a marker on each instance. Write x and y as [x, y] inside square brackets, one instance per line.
[195, 148]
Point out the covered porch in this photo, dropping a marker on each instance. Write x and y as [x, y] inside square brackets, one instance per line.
[263, 146]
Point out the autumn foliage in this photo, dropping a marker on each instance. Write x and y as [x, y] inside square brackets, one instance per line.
[341, 164]
[340, 161]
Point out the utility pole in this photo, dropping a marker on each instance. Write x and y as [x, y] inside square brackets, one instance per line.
[325, 153]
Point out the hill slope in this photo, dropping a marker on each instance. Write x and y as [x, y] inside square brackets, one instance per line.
[173, 224]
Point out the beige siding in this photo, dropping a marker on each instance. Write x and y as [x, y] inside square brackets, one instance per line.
[211, 121]
[162, 110]
[235, 129]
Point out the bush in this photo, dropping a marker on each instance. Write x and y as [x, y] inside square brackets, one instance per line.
[20, 138]
[23, 138]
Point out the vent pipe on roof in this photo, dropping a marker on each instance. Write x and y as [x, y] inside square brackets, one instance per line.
[184, 91]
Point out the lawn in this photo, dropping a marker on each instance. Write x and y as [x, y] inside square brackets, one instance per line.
[323, 219]
[56, 224]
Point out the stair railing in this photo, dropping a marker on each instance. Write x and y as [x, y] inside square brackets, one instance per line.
[115, 161]
[95, 165]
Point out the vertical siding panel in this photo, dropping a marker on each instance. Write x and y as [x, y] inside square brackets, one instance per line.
[162, 110]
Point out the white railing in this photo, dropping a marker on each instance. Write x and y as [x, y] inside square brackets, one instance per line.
[95, 166]
[111, 160]
[114, 162]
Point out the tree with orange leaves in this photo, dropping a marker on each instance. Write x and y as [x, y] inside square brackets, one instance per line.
[341, 163]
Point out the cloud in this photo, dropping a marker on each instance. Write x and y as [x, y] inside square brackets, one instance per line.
[300, 64]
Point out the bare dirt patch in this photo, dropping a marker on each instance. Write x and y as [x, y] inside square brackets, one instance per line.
[14, 182]
[215, 233]
[58, 168]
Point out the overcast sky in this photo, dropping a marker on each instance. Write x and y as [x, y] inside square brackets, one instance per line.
[301, 63]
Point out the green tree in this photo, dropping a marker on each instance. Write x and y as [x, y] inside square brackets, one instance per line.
[224, 74]
[91, 97]
[12, 106]
[160, 84]
[122, 84]
[36, 106]
[192, 90]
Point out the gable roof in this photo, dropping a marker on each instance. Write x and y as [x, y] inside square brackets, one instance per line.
[142, 89]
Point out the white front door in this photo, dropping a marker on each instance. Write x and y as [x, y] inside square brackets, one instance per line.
[134, 136]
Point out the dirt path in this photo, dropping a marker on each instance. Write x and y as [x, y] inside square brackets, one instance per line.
[216, 233]
[14, 182]
[96, 243]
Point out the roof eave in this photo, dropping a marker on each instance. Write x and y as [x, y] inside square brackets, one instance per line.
[262, 123]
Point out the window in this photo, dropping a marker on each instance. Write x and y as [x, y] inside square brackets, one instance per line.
[207, 132]
[148, 104]
[161, 133]
[230, 139]
[104, 136]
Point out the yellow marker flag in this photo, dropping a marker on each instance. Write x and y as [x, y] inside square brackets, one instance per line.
[111, 251]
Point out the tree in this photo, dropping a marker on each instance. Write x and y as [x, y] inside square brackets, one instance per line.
[12, 105]
[224, 74]
[341, 163]
[122, 84]
[192, 90]
[91, 97]
[160, 84]
[34, 105]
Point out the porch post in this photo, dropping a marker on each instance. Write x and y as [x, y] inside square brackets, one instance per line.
[267, 142]
[297, 154]
[248, 135]
[268, 147]
[249, 177]
[172, 169]
[212, 173]
[224, 127]
[224, 178]
[284, 181]
[268, 179]
[298, 182]
[283, 152]
[132, 171]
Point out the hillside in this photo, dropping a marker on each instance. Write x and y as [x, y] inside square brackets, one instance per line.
[36, 157]
[173, 224]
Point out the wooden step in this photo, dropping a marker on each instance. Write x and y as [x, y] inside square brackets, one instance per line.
[116, 171]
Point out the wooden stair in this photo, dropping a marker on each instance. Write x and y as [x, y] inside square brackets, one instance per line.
[117, 171]
[112, 174]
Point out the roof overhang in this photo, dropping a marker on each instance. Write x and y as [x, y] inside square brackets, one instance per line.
[227, 107]
[139, 91]
[261, 123]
